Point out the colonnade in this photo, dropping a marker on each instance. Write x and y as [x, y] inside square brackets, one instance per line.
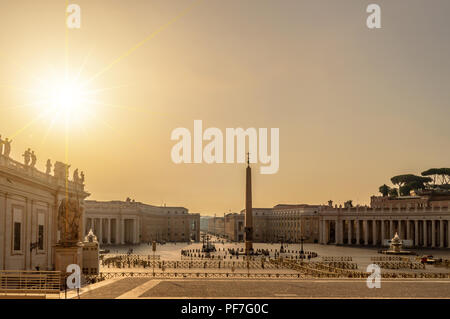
[113, 230]
[432, 232]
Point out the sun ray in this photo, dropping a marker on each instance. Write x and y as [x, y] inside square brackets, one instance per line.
[144, 41]
[49, 128]
[128, 108]
[37, 118]
[80, 71]
[14, 107]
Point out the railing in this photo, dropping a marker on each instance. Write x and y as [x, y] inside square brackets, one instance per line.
[162, 275]
[30, 282]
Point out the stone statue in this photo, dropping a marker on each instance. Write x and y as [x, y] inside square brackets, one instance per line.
[33, 159]
[69, 221]
[1, 145]
[49, 167]
[82, 177]
[76, 178]
[7, 149]
[26, 156]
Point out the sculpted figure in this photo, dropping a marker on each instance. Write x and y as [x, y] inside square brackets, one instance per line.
[7, 148]
[82, 177]
[1, 145]
[26, 156]
[48, 167]
[33, 159]
[76, 178]
[69, 221]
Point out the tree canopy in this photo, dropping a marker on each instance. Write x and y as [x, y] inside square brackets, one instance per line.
[443, 173]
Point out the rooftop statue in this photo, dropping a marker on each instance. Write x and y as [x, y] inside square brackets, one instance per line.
[7, 148]
[33, 159]
[26, 157]
[48, 167]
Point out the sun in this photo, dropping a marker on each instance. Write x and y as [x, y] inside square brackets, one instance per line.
[67, 97]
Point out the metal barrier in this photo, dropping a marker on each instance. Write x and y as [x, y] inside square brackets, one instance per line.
[30, 282]
[171, 275]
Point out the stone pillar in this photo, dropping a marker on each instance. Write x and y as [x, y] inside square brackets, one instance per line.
[408, 229]
[425, 234]
[116, 234]
[416, 233]
[400, 230]
[135, 235]
[358, 232]
[109, 230]
[374, 232]
[441, 234]
[366, 232]
[349, 232]
[391, 229]
[122, 226]
[433, 233]
[341, 231]
[448, 233]
[383, 231]
[336, 231]
[100, 232]
[322, 231]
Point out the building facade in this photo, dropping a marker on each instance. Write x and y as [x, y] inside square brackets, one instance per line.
[130, 222]
[425, 221]
[29, 202]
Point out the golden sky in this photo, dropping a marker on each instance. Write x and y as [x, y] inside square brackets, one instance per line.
[354, 106]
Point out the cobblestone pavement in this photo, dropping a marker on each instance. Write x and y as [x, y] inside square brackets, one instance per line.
[204, 288]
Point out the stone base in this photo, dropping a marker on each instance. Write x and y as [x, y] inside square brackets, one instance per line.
[67, 255]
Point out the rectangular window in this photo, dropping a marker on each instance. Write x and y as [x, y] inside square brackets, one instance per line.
[41, 231]
[41, 237]
[17, 235]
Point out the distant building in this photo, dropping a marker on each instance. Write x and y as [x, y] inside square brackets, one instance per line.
[130, 222]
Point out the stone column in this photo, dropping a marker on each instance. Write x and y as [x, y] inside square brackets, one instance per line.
[383, 231]
[441, 234]
[349, 232]
[391, 229]
[134, 231]
[433, 233]
[425, 234]
[416, 233]
[358, 232]
[116, 235]
[366, 232]
[374, 232]
[322, 231]
[336, 232]
[341, 232]
[400, 230]
[408, 229]
[100, 231]
[122, 226]
[448, 233]
[109, 230]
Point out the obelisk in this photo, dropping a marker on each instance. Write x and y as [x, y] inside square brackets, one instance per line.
[248, 210]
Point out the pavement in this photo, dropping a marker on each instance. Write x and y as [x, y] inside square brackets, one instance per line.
[132, 288]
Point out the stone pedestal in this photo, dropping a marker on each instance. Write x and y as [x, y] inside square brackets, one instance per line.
[67, 255]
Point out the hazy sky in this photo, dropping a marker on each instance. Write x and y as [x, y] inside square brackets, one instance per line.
[354, 106]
